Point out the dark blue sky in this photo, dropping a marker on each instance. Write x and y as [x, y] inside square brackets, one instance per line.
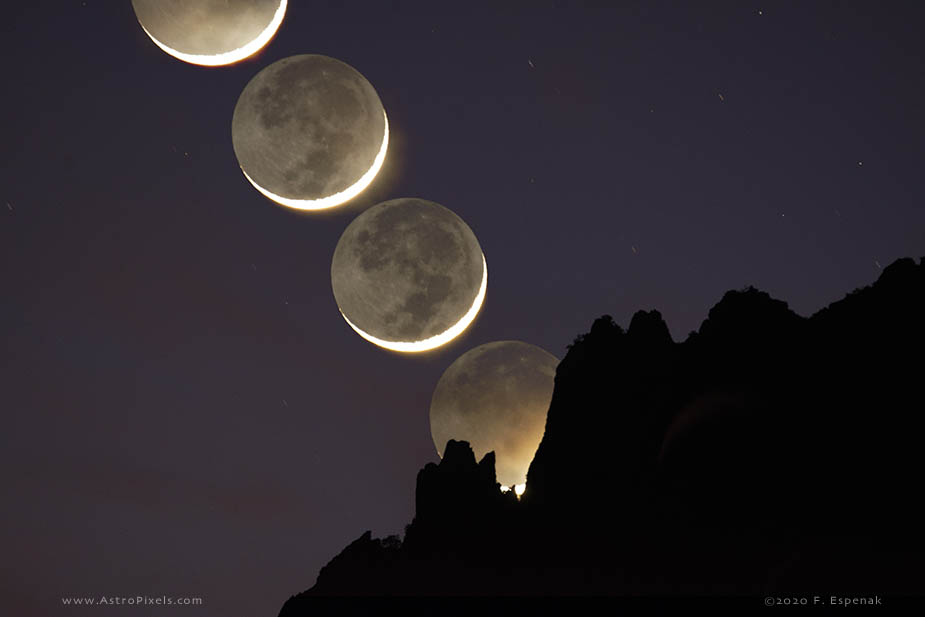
[184, 410]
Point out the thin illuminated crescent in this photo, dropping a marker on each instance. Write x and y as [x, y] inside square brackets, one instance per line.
[235, 55]
[336, 199]
[439, 339]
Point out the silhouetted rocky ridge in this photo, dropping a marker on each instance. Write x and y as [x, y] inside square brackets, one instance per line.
[767, 453]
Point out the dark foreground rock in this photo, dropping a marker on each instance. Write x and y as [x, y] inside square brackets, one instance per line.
[766, 454]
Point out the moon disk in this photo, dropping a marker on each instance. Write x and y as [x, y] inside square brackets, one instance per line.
[496, 396]
[408, 275]
[309, 132]
[210, 32]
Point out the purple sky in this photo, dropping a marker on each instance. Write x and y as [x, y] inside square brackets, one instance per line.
[184, 410]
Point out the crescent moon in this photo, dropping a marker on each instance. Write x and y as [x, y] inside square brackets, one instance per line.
[440, 339]
[496, 396]
[309, 132]
[228, 57]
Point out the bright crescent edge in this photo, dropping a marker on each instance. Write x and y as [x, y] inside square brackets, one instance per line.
[335, 199]
[439, 339]
[235, 55]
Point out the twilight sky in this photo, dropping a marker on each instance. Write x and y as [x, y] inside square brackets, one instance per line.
[184, 410]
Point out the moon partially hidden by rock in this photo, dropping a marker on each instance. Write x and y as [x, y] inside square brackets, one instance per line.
[210, 32]
[309, 132]
[496, 397]
[408, 275]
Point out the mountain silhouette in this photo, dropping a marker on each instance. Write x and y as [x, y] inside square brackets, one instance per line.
[767, 453]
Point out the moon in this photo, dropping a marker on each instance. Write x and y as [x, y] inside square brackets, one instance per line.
[408, 275]
[210, 32]
[496, 396]
[309, 132]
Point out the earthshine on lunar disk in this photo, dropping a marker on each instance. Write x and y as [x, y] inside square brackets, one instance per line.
[210, 32]
[408, 275]
[496, 397]
[309, 132]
